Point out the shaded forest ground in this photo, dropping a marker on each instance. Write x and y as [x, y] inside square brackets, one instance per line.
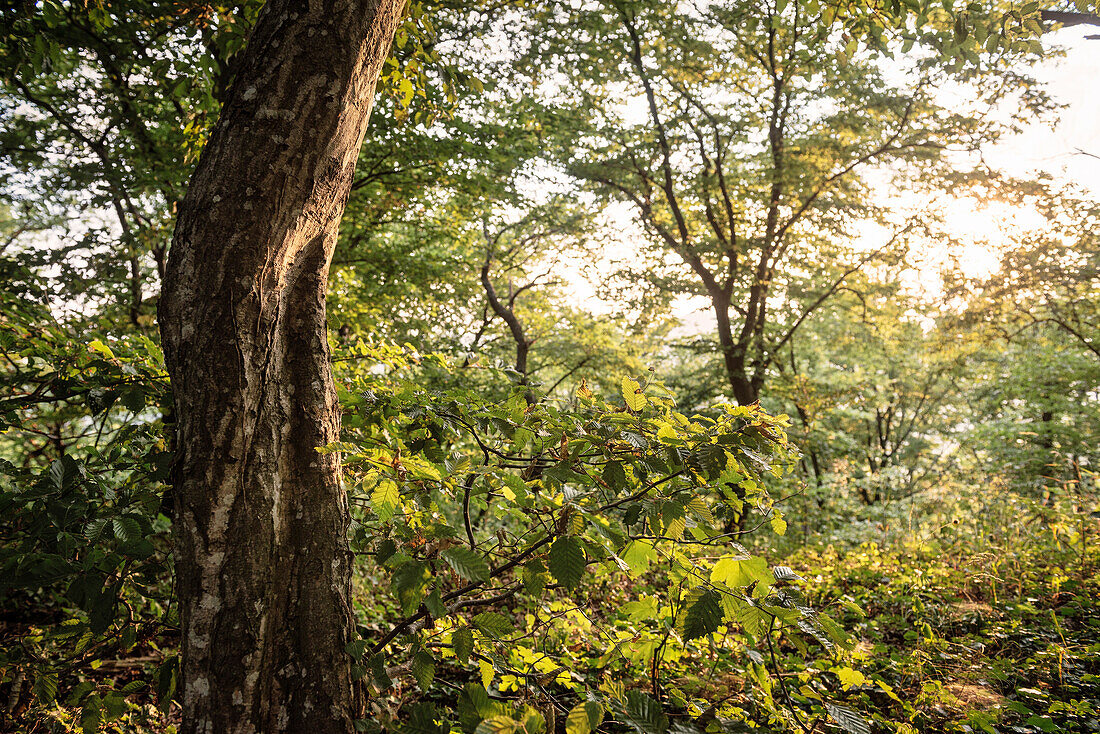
[955, 629]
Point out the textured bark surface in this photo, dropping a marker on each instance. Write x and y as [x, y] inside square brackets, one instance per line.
[263, 569]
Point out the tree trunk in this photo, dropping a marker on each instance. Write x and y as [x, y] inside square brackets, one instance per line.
[733, 354]
[263, 569]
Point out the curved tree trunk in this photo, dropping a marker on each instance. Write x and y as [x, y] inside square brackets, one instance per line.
[263, 568]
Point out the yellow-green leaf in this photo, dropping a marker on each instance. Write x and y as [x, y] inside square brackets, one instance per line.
[632, 394]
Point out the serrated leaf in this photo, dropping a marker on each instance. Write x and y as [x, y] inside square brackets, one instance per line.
[133, 686]
[779, 525]
[753, 619]
[699, 508]
[638, 554]
[422, 720]
[377, 665]
[384, 499]
[849, 677]
[92, 715]
[785, 573]
[409, 582]
[45, 688]
[496, 725]
[644, 714]
[62, 471]
[487, 673]
[584, 718]
[810, 627]
[835, 632]
[848, 719]
[534, 577]
[493, 624]
[93, 531]
[737, 572]
[614, 475]
[667, 434]
[466, 563]
[673, 520]
[434, 604]
[632, 394]
[703, 616]
[533, 721]
[126, 529]
[567, 562]
[463, 641]
[423, 669]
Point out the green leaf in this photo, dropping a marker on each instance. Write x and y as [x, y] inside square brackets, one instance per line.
[703, 616]
[493, 624]
[522, 437]
[835, 632]
[463, 641]
[92, 715]
[167, 676]
[584, 718]
[95, 345]
[378, 672]
[356, 648]
[126, 529]
[848, 719]
[849, 677]
[614, 475]
[422, 720]
[384, 499]
[785, 573]
[93, 531]
[487, 673]
[434, 605]
[1043, 723]
[753, 619]
[638, 554]
[673, 519]
[567, 562]
[423, 669]
[45, 688]
[644, 714]
[466, 563]
[534, 577]
[63, 471]
[134, 399]
[496, 725]
[533, 721]
[632, 395]
[737, 572]
[409, 582]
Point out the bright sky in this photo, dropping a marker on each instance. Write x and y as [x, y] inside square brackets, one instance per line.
[1067, 149]
[1064, 149]
[1074, 80]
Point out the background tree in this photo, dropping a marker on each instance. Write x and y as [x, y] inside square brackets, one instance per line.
[746, 148]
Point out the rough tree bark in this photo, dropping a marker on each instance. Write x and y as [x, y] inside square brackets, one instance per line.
[263, 568]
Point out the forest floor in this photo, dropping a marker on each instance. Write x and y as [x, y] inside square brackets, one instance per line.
[945, 638]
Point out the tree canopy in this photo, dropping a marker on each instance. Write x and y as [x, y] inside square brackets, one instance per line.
[554, 366]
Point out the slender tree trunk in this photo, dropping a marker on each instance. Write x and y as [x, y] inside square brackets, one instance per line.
[263, 569]
[745, 392]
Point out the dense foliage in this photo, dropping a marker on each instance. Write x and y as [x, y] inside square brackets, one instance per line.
[644, 425]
